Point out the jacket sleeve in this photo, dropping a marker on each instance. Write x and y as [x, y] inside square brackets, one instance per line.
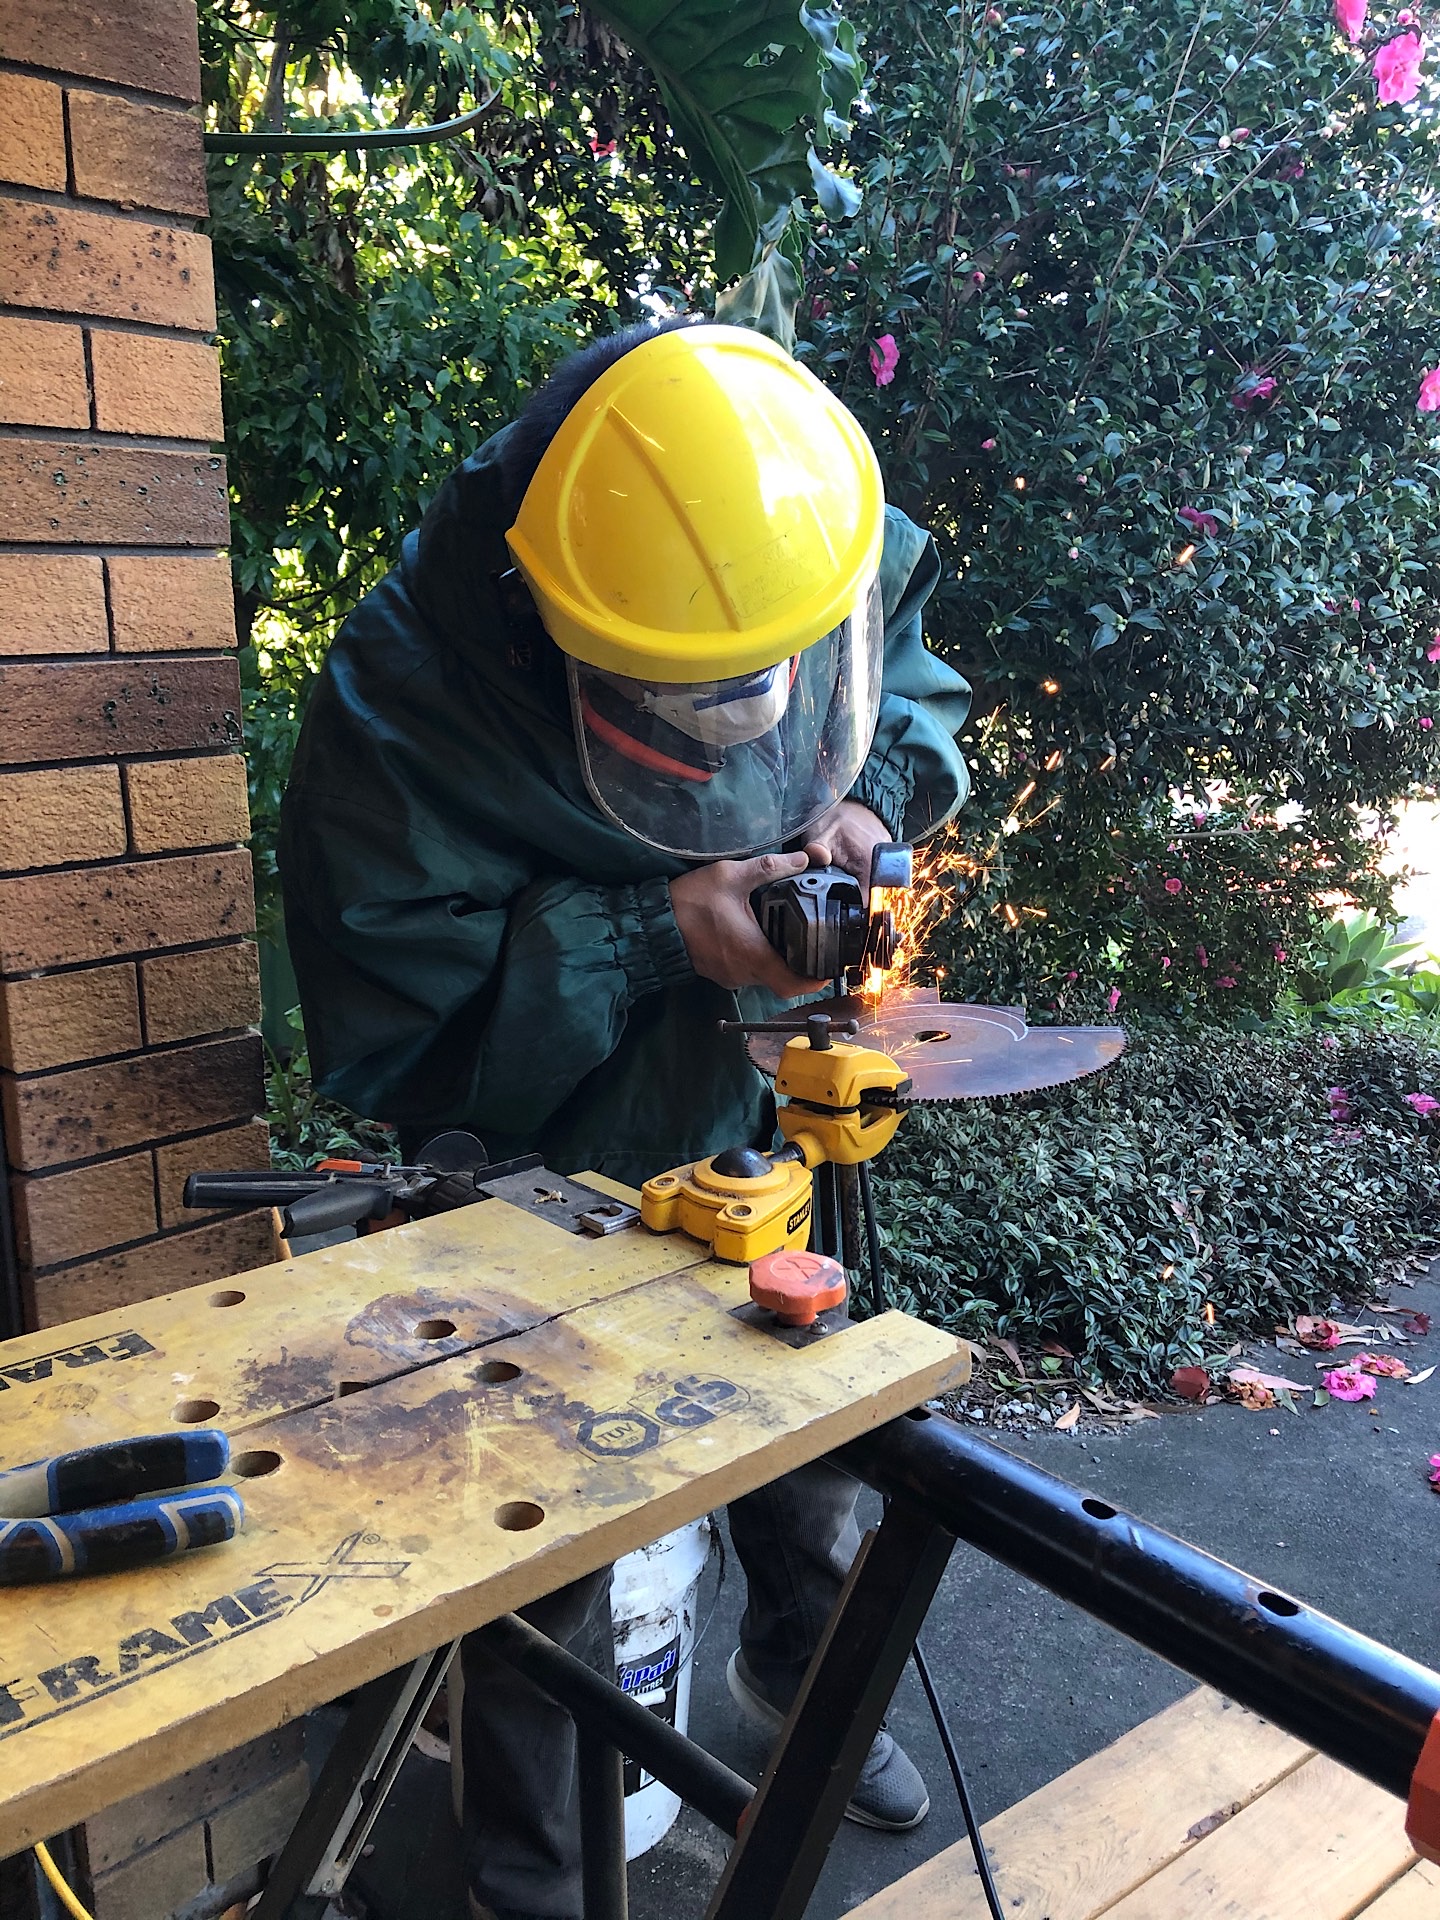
[915, 776]
[433, 1001]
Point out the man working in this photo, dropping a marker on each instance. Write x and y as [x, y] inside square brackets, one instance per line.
[648, 638]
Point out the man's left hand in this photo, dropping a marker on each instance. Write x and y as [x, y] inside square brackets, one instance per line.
[846, 837]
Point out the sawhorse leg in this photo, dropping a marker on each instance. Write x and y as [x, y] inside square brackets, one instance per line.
[788, 1831]
[336, 1820]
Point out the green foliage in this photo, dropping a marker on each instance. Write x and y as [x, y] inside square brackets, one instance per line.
[1204, 1166]
[304, 1127]
[1355, 959]
[1095, 233]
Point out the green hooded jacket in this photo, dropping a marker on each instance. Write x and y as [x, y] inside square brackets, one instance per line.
[476, 945]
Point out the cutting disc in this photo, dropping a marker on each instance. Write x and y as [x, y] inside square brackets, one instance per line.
[955, 1051]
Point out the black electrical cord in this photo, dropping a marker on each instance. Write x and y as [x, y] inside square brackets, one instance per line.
[922, 1665]
[349, 142]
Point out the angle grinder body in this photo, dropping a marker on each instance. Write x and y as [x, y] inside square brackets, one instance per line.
[826, 926]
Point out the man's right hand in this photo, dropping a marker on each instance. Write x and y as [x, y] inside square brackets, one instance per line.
[722, 935]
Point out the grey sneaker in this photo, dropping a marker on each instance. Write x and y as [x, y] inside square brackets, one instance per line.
[889, 1793]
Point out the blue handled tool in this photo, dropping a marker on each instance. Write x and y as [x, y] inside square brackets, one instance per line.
[114, 1506]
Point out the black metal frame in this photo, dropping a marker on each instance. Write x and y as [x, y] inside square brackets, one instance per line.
[1346, 1695]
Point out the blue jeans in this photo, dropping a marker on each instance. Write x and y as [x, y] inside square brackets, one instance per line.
[795, 1540]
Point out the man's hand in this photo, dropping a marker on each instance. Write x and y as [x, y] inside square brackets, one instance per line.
[722, 935]
[846, 837]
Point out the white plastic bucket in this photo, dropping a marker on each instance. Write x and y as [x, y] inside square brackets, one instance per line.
[652, 1605]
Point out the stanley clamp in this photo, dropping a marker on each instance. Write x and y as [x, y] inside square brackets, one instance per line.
[842, 1106]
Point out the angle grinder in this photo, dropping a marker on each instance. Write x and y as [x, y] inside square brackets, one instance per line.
[826, 926]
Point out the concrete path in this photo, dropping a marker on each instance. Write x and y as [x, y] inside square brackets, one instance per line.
[1332, 1505]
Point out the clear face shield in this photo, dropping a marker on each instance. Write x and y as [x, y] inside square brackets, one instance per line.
[719, 768]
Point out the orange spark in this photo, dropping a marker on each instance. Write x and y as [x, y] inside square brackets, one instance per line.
[1056, 759]
[1023, 795]
[1185, 556]
[1209, 1313]
[1049, 686]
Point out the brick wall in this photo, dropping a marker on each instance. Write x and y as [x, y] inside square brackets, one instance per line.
[128, 987]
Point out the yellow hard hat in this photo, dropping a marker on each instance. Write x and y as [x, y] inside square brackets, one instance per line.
[706, 509]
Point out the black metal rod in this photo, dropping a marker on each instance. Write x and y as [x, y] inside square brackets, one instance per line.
[357, 141]
[1357, 1701]
[773, 1868]
[701, 1780]
[602, 1826]
[962, 1787]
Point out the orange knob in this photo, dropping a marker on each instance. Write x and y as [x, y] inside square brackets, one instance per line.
[797, 1286]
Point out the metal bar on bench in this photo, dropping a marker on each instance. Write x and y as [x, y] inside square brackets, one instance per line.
[602, 1825]
[773, 1867]
[702, 1781]
[1361, 1703]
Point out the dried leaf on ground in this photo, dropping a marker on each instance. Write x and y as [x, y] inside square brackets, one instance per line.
[1253, 1376]
[1384, 1364]
[1054, 1348]
[1011, 1353]
[1191, 1383]
[1068, 1417]
[1417, 1379]
[1311, 1331]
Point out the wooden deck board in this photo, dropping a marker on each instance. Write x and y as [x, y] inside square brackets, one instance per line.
[417, 1504]
[1204, 1812]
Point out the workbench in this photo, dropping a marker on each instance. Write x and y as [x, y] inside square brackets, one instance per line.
[432, 1426]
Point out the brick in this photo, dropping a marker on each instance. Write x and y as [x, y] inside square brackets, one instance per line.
[190, 994]
[154, 1883]
[42, 374]
[247, 1146]
[97, 709]
[32, 133]
[187, 803]
[49, 818]
[144, 384]
[137, 156]
[101, 913]
[258, 1825]
[67, 260]
[134, 1824]
[211, 1252]
[62, 1018]
[61, 1216]
[61, 1117]
[162, 603]
[149, 44]
[52, 603]
[135, 497]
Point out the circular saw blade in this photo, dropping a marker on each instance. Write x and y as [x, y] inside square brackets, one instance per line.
[953, 1050]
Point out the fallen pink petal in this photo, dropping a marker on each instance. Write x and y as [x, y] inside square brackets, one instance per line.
[1434, 1475]
[884, 359]
[1348, 1383]
[1397, 69]
[1383, 1364]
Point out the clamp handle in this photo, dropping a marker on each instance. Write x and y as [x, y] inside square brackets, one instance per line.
[797, 1286]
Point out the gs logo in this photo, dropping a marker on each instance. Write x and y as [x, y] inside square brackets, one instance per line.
[693, 1401]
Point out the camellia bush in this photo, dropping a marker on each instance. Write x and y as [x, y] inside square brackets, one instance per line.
[1140, 310]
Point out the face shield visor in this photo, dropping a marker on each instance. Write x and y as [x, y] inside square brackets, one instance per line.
[717, 768]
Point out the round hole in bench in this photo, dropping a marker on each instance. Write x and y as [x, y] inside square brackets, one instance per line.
[1278, 1603]
[434, 1329]
[255, 1463]
[227, 1297]
[492, 1371]
[518, 1516]
[191, 1412]
[1098, 1510]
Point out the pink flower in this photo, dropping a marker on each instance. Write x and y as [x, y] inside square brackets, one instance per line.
[819, 307]
[978, 278]
[1241, 133]
[1426, 723]
[1174, 886]
[1072, 553]
[987, 446]
[1350, 18]
[1348, 1383]
[1429, 401]
[1405, 18]
[1251, 389]
[1072, 975]
[884, 358]
[1397, 69]
[1164, 962]
[1354, 606]
[1294, 171]
[1112, 999]
[1280, 955]
[1434, 1475]
[1205, 523]
[1329, 1042]
[602, 150]
[1224, 980]
[1423, 1103]
[1432, 652]
[1202, 956]
[1198, 817]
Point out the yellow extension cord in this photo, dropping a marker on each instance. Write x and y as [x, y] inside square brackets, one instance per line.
[64, 1893]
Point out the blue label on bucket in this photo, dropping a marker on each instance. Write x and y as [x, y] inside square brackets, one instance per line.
[652, 1682]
